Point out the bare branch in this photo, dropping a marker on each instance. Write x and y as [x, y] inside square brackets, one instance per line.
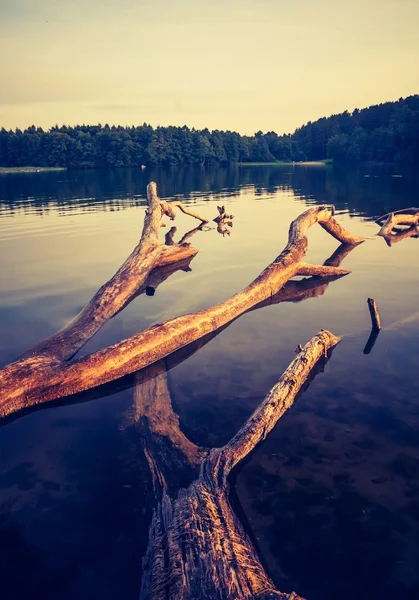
[276, 403]
[42, 376]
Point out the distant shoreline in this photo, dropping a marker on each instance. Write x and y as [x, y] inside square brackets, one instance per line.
[8, 170]
[310, 163]
[303, 163]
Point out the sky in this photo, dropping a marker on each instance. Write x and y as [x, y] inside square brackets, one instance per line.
[243, 65]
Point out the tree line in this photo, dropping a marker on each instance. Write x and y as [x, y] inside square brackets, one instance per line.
[104, 146]
[386, 132]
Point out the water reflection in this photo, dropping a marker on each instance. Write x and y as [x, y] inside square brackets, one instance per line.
[365, 191]
[332, 497]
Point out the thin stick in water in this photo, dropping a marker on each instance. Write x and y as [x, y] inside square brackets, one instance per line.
[375, 316]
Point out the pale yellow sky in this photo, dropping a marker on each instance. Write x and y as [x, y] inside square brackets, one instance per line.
[223, 64]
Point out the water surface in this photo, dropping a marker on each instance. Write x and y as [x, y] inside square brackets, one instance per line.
[331, 499]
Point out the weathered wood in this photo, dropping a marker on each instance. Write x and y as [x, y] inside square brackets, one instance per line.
[41, 375]
[198, 548]
[223, 221]
[222, 216]
[403, 211]
[321, 271]
[407, 216]
[168, 209]
[292, 291]
[375, 315]
[117, 292]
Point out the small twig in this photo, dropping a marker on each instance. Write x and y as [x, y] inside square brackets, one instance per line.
[168, 209]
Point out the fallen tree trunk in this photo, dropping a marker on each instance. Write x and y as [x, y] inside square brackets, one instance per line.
[293, 291]
[198, 548]
[45, 373]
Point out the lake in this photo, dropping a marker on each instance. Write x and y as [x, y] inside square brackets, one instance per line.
[331, 499]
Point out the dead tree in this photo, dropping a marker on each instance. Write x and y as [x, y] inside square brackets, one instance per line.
[50, 371]
[198, 548]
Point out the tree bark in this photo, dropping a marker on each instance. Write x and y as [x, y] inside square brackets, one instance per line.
[198, 548]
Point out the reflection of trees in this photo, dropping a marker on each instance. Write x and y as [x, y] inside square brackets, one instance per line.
[349, 189]
[115, 189]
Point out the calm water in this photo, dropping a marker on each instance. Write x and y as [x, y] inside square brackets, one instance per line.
[331, 499]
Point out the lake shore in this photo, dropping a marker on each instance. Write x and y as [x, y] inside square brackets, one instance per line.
[308, 163]
[8, 170]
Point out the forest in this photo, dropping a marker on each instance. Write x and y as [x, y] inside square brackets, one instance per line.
[383, 133]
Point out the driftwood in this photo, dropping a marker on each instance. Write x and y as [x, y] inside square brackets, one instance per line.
[293, 291]
[198, 548]
[224, 221]
[407, 216]
[168, 209]
[48, 371]
[149, 254]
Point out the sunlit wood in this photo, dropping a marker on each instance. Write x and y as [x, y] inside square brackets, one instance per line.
[406, 216]
[48, 371]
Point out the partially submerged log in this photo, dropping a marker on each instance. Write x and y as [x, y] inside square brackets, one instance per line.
[293, 291]
[406, 216]
[198, 549]
[46, 372]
